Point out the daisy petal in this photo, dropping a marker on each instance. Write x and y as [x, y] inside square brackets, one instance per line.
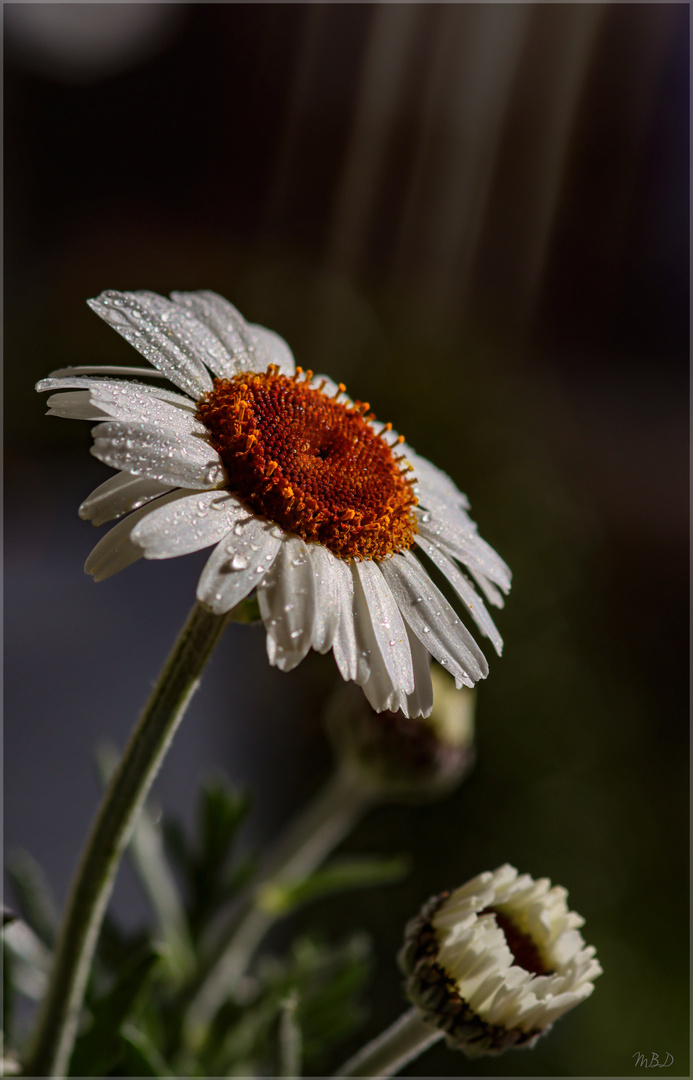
[104, 369]
[435, 481]
[420, 702]
[228, 326]
[328, 597]
[144, 450]
[237, 564]
[189, 524]
[74, 405]
[113, 389]
[125, 401]
[465, 590]
[379, 688]
[119, 495]
[433, 620]
[155, 327]
[351, 660]
[116, 550]
[271, 345]
[388, 626]
[467, 546]
[287, 604]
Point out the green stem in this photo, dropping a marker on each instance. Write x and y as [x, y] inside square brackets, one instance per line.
[316, 832]
[394, 1048]
[50, 1052]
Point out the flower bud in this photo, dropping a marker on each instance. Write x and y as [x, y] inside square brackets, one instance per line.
[405, 758]
[494, 963]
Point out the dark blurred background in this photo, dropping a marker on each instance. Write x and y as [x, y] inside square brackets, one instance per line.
[476, 215]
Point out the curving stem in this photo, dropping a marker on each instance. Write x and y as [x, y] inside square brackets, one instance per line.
[50, 1051]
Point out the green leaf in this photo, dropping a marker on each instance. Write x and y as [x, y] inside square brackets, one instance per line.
[31, 959]
[98, 1049]
[221, 811]
[325, 981]
[279, 898]
[140, 1056]
[34, 897]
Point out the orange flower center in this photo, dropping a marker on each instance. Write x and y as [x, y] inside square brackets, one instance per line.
[311, 463]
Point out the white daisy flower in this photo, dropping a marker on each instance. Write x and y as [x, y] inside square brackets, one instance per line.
[496, 962]
[304, 496]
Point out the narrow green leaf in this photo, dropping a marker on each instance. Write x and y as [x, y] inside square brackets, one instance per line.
[221, 812]
[34, 897]
[31, 959]
[140, 1056]
[279, 898]
[98, 1049]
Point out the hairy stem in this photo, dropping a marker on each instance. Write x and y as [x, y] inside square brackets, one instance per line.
[53, 1041]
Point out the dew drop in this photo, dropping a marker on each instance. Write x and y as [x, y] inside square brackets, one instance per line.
[239, 562]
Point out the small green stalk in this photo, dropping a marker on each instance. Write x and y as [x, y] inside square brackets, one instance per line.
[394, 1048]
[319, 828]
[53, 1041]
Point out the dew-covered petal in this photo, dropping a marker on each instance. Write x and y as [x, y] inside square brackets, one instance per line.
[420, 702]
[119, 495]
[465, 590]
[379, 688]
[74, 405]
[238, 563]
[435, 482]
[170, 338]
[229, 327]
[271, 345]
[467, 546]
[490, 591]
[129, 401]
[103, 370]
[143, 450]
[188, 524]
[114, 390]
[350, 658]
[433, 620]
[328, 596]
[116, 550]
[388, 626]
[286, 596]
